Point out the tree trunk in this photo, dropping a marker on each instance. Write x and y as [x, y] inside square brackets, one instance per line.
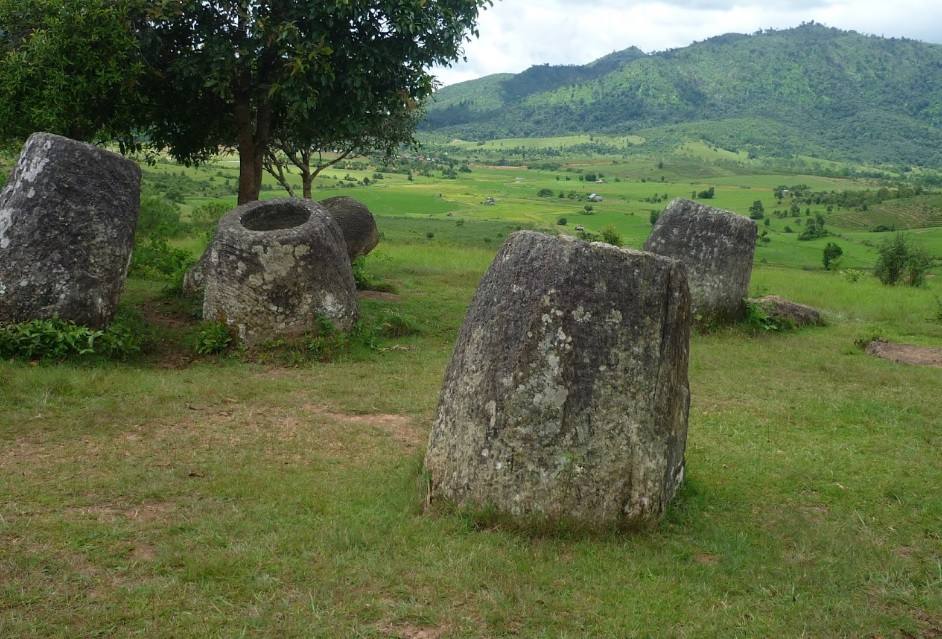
[307, 179]
[253, 143]
[250, 173]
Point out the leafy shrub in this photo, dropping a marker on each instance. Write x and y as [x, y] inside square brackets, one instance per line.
[759, 320]
[159, 217]
[212, 338]
[757, 211]
[206, 216]
[366, 281]
[561, 221]
[832, 253]
[56, 339]
[852, 275]
[902, 261]
[611, 236]
[545, 193]
[394, 325]
[814, 228]
[653, 217]
[709, 194]
[153, 258]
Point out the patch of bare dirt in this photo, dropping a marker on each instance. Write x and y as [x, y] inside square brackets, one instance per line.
[145, 512]
[706, 559]
[906, 353]
[399, 427]
[408, 631]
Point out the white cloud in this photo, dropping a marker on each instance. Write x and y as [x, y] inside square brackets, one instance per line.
[516, 34]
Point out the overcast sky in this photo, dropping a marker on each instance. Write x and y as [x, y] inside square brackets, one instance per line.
[516, 34]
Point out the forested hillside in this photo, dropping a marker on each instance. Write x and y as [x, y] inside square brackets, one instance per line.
[808, 90]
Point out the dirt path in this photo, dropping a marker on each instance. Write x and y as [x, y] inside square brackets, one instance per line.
[906, 353]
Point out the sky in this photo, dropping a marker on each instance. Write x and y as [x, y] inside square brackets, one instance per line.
[516, 34]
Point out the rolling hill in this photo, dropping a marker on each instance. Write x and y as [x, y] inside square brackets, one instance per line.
[810, 90]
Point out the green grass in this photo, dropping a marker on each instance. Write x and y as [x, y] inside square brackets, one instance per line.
[221, 497]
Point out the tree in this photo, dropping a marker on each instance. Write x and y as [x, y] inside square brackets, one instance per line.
[832, 253]
[757, 211]
[323, 147]
[205, 75]
[69, 67]
[902, 261]
[708, 194]
[611, 236]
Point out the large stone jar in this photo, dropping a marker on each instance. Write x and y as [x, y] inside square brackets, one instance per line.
[567, 397]
[717, 247]
[356, 223]
[274, 266]
[67, 221]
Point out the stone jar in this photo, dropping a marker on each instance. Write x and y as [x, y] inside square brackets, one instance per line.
[67, 221]
[567, 397]
[717, 247]
[274, 267]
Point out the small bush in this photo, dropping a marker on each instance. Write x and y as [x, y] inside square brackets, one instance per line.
[56, 339]
[206, 216]
[611, 236]
[366, 281]
[653, 217]
[396, 325]
[832, 254]
[159, 217]
[852, 275]
[212, 338]
[561, 221]
[155, 259]
[759, 320]
[902, 261]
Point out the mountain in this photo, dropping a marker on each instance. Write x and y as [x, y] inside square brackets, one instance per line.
[809, 90]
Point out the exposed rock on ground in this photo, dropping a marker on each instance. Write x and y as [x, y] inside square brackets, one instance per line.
[274, 266]
[717, 247]
[567, 396]
[787, 312]
[906, 353]
[356, 222]
[67, 221]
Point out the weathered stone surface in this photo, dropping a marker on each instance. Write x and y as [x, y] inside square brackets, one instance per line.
[717, 248]
[787, 312]
[567, 394]
[356, 222]
[274, 266]
[195, 278]
[67, 221]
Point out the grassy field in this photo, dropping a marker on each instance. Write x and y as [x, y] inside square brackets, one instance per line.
[178, 495]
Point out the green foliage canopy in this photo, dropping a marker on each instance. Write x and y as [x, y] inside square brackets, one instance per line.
[195, 76]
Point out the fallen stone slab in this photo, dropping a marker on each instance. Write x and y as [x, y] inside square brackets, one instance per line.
[788, 313]
[567, 395]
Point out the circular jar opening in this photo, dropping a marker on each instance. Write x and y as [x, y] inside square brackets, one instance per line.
[275, 216]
